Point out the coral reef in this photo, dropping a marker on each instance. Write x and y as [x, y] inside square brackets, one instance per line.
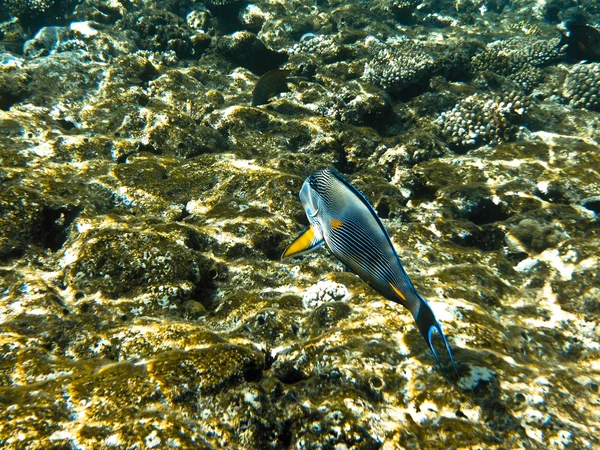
[245, 49]
[400, 68]
[323, 292]
[145, 204]
[24, 7]
[161, 31]
[480, 119]
[519, 58]
[13, 84]
[536, 236]
[582, 86]
[320, 47]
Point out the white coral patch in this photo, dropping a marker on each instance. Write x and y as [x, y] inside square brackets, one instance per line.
[324, 291]
[152, 440]
[83, 28]
[477, 374]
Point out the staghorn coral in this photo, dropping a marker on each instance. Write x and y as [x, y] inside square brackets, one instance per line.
[582, 86]
[518, 58]
[480, 119]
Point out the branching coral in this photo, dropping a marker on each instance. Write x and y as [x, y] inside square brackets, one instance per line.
[481, 119]
[396, 68]
[19, 7]
[314, 44]
[518, 58]
[582, 86]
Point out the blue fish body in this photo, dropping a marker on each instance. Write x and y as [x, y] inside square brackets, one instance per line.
[341, 218]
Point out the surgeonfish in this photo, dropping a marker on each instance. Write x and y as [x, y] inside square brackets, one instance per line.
[271, 83]
[342, 218]
[583, 42]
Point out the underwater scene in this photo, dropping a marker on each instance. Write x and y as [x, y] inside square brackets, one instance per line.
[244, 224]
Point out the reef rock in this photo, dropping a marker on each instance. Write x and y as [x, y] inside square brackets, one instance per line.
[145, 205]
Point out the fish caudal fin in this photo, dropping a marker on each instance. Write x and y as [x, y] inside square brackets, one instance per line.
[427, 324]
[307, 241]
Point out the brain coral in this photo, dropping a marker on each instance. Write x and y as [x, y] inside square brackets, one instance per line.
[518, 58]
[481, 119]
[582, 86]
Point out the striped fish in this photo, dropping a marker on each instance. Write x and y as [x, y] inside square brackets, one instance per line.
[341, 218]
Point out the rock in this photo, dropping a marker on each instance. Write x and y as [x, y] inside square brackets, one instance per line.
[129, 264]
[144, 207]
[13, 86]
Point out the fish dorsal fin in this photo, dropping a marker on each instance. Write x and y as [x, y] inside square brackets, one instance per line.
[371, 210]
[306, 242]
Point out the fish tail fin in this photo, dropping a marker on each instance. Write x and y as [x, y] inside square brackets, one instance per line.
[427, 324]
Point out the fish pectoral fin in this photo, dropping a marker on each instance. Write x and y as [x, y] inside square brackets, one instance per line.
[427, 324]
[306, 242]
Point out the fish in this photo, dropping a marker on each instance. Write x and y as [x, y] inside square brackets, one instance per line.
[342, 219]
[583, 42]
[269, 84]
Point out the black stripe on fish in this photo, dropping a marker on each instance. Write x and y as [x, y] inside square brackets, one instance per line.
[369, 251]
[322, 182]
[349, 240]
[350, 243]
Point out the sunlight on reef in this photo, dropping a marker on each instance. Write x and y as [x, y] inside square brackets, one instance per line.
[145, 206]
